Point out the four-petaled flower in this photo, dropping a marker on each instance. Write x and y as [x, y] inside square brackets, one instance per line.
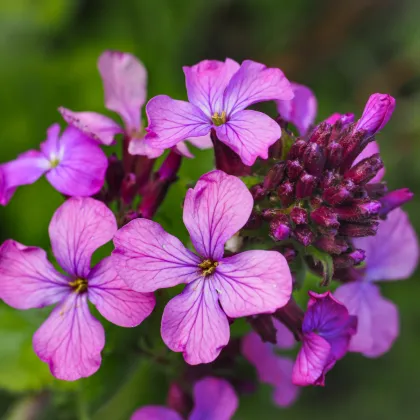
[214, 398]
[390, 255]
[73, 164]
[326, 332]
[71, 339]
[218, 93]
[217, 287]
[125, 84]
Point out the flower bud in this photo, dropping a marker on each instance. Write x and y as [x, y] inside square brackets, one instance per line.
[254, 221]
[321, 134]
[279, 228]
[334, 155]
[358, 230]
[365, 170]
[286, 193]
[258, 192]
[274, 176]
[304, 235]
[332, 244]
[128, 188]
[325, 216]
[299, 216]
[357, 211]
[342, 120]
[314, 159]
[289, 254]
[377, 112]
[395, 199]
[270, 214]
[297, 149]
[294, 169]
[305, 186]
[263, 325]
[349, 260]
[336, 195]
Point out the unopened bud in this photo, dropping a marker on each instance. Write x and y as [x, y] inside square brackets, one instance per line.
[258, 192]
[395, 199]
[128, 188]
[297, 149]
[286, 193]
[325, 216]
[299, 216]
[359, 230]
[334, 155]
[321, 134]
[314, 159]
[305, 186]
[332, 244]
[357, 211]
[274, 176]
[279, 228]
[304, 235]
[254, 221]
[294, 169]
[348, 260]
[336, 195]
[263, 325]
[365, 170]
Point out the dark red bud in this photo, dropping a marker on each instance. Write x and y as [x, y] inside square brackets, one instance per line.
[357, 211]
[357, 142]
[254, 221]
[321, 134]
[286, 193]
[305, 186]
[334, 155]
[270, 214]
[348, 260]
[274, 176]
[294, 169]
[314, 159]
[128, 188]
[336, 195]
[263, 325]
[377, 190]
[297, 149]
[359, 230]
[304, 235]
[395, 199]
[279, 228]
[325, 216]
[332, 244]
[258, 192]
[365, 170]
[289, 254]
[299, 216]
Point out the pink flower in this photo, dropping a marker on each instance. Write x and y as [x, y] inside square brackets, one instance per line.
[213, 399]
[125, 85]
[390, 255]
[327, 329]
[71, 339]
[218, 93]
[217, 287]
[73, 164]
[273, 369]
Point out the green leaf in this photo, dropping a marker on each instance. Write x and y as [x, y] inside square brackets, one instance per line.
[321, 257]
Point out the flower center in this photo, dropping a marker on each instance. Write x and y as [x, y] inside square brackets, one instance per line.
[219, 119]
[54, 162]
[79, 285]
[208, 267]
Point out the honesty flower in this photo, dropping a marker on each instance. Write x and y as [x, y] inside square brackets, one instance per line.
[218, 93]
[73, 164]
[214, 398]
[326, 332]
[196, 321]
[125, 84]
[71, 339]
[390, 255]
[273, 369]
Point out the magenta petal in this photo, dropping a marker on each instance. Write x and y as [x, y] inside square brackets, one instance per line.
[183, 150]
[78, 228]
[378, 321]
[114, 300]
[393, 253]
[301, 110]
[27, 278]
[94, 125]
[253, 282]
[312, 362]
[252, 83]
[70, 340]
[147, 258]
[5, 192]
[346, 119]
[285, 339]
[214, 399]
[82, 166]
[206, 82]
[249, 134]
[214, 210]
[371, 149]
[51, 146]
[171, 121]
[125, 79]
[139, 146]
[203, 142]
[154, 412]
[194, 323]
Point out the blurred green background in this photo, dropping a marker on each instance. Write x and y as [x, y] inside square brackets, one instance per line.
[343, 50]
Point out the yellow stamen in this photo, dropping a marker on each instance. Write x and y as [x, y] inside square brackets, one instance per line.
[54, 162]
[208, 267]
[219, 119]
[79, 285]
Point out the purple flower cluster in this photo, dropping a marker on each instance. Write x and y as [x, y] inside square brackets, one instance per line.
[320, 196]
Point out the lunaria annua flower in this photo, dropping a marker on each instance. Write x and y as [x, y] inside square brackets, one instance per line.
[218, 93]
[217, 287]
[71, 339]
[390, 255]
[214, 398]
[125, 84]
[73, 164]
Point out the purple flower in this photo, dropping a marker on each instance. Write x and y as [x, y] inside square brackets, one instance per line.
[214, 398]
[125, 85]
[196, 321]
[301, 110]
[73, 164]
[273, 369]
[326, 332]
[71, 339]
[218, 93]
[390, 255]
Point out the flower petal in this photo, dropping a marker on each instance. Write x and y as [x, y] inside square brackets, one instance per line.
[253, 282]
[249, 134]
[202, 142]
[371, 149]
[114, 300]
[147, 258]
[70, 340]
[51, 146]
[82, 166]
[125, 79]
[393, 253]
[214, 210]
[285, 339]
[27, 278]
[194, 323]
[5, 192]
[78, 228]
[206, 82]
[255, 82]
[301, 110]
[378, 321]
[95, 126]
[139, 146]
[172, 121]
[312, 362]
[214, 399]
[154, 412]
